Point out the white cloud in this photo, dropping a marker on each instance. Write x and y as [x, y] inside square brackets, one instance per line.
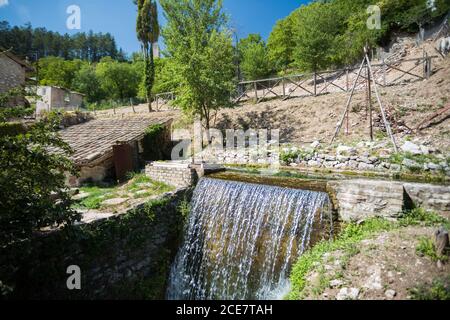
[3, 3]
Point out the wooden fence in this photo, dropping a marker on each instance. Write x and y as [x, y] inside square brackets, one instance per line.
[318, 83]
[162, 99]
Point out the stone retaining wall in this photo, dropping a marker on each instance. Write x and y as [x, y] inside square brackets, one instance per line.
[178, 175]
[360, 199]
[127, 256]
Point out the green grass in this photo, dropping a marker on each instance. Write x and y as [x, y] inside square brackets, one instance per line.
[438, 290]
[138, 182]
[427, 248]
[351, 235]
[96, 196]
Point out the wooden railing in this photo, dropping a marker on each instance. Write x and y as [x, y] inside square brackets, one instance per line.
[318, 83]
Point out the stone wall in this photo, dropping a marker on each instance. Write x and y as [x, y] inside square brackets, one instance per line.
[11, 74]
[360, 199]
[178, 175]
[127, 256]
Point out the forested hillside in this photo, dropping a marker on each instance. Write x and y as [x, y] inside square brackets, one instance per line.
[28, 41]
[331, 33]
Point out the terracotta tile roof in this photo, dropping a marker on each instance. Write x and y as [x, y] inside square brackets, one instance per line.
[93, 141]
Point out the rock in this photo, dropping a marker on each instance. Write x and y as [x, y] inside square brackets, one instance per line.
[82, 195]
[330, 158]
[353, 164]
[373, 281]
[345, 150]
[313, 163]
[411, 148]
[114, 202]
[342, 158]
[374, 159]
[396, 167]
[365, 166]
[336, 283]
[433, 166]
[424, 150]
[348, 294]
[315, 144]
[390, 294]
[411, 164]
[386, 165]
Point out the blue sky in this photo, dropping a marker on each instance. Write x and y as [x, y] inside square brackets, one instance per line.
[118, 16]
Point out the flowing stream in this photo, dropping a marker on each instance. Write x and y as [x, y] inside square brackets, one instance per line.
[242, 239]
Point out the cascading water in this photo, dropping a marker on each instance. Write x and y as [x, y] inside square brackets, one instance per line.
[241, 240]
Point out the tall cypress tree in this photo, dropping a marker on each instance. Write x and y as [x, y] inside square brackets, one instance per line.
[147, 30]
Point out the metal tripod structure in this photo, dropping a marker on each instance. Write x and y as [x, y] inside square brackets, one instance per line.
[370, 79]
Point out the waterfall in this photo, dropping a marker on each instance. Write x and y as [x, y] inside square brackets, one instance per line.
[242, 239]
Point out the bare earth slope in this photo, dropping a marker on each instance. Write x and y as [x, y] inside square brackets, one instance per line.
[307, 119]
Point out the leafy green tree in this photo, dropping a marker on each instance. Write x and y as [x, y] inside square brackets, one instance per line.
[119, 80]
[316, 26]
[201, 51]
[254, 57]
[56, 71]
[147, 30]
[32, 178]
[86, 82]
[281, 44]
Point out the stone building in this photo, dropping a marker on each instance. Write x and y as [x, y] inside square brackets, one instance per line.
[12, 71]
[56, 98]
[111, 148]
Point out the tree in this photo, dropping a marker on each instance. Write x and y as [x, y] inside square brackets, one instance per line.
[56, 71]
[316, 26]
[201, 50]
[119, 80]
[254, 57]
[281, 45]
[32, 178]
[86, 82]
[147, 30]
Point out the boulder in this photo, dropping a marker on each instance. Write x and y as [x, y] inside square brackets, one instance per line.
[348, 294]
[411, 148]
[345, 151]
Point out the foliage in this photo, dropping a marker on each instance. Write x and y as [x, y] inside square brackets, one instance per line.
[56, 71]
[426, 247]
[254, 57]
[31, 179]
[351, 234]
[200, 48]
[281, 45]
[438, 290]
[147, 30]
[316, 27]
[135, 187]
[87, 82]
[326, 34]
[26, 41]
[118, 80]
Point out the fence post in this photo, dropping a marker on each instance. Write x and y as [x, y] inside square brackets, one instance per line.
[384, 73]
[429, 59]
[346, 79]
[315, 83]
[256, 90]
[284, 87]
[132, 105]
